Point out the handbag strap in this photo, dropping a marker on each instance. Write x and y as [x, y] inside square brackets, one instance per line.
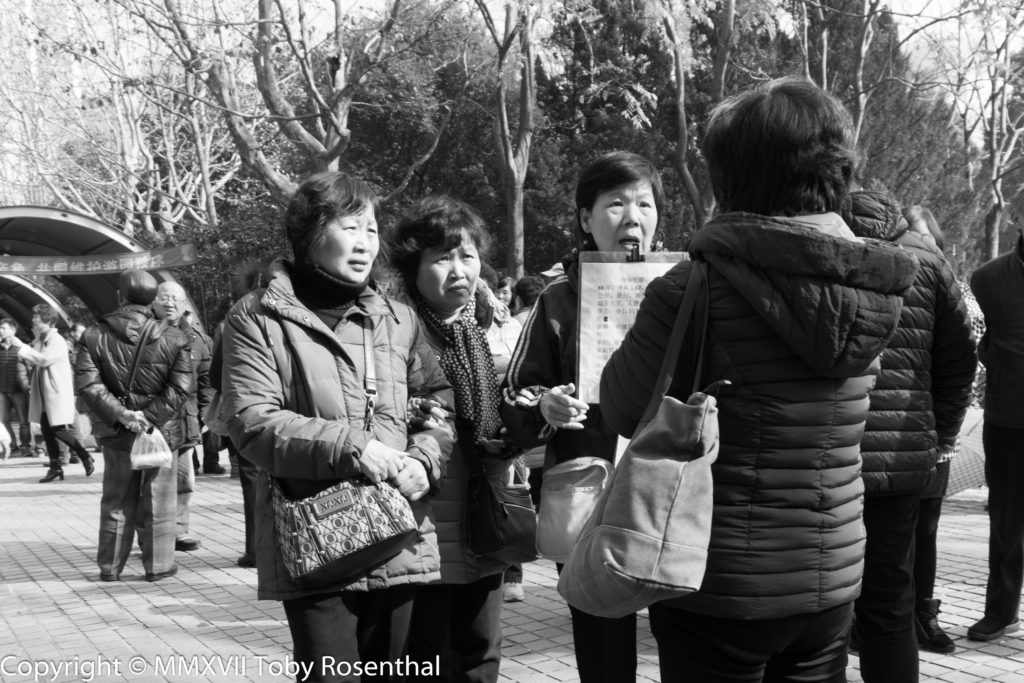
[369, 375]
[695, 286]
[147, 331]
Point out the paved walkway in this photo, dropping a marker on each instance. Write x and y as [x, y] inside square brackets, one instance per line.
[57, 619]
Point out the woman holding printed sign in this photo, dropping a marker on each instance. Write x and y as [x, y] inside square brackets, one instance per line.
[618, 198]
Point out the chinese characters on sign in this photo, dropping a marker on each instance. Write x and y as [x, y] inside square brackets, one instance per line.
[98, 264]
[610, 294]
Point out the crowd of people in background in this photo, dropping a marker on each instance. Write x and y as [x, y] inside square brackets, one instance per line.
[848, 347]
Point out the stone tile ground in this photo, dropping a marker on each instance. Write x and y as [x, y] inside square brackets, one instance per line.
[54, 611]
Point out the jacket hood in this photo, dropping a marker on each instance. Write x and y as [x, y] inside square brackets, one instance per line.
[834, 301]
[126, 322]
[874, 214]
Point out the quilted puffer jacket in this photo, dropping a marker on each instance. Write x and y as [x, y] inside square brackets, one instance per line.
[161, 385]
[188, 424]
[924, 387]
[797, 320]
[293, 397]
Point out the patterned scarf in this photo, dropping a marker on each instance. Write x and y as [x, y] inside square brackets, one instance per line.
[468, 365]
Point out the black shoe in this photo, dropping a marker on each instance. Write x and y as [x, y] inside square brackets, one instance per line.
[930, 635]
[74, 460]
[109, 577]
[51, 475]
[186, 544]
[988, 629]
[88, 464]
[214, 469]
[162, 575]
[246, 561]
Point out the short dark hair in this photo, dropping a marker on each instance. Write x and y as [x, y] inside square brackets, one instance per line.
[320, 199]
[46, 313]
[434, 223]
[607, 172]
[9, 321]
[922, 220]
[529, 288]
[489, 275]
[784, 147]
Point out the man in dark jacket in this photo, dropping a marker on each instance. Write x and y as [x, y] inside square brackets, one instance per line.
[917, 406]
[169, 307]
[14, 389]
[999, 288]
[121, 406]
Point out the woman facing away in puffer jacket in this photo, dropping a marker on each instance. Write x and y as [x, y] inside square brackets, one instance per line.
[298, 407]
[799, 310]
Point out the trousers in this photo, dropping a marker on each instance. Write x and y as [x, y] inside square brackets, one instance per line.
[1004, 471]
[133, 501]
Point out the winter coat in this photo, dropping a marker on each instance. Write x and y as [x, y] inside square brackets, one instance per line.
[187, 425]
[999, 288]
[51, 389]
[545, 357]
[459, 564]
[13, 372]
[293, 396]
[161, 385]
[797, 320]
[924, 387]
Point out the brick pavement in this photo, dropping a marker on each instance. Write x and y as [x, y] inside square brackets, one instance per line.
[55, 612]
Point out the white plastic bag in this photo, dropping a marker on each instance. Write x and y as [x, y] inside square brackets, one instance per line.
[150, 450]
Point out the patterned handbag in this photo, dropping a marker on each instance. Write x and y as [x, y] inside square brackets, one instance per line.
[349, 528]
[341, 532]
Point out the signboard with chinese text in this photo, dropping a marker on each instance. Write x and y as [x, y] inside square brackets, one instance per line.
[611, 290]
[98, 264]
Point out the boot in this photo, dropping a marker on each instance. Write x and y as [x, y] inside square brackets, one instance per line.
[930, 635]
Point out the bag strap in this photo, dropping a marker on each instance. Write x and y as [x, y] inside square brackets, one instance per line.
[695, 286]
[369, 375]
[147, 331]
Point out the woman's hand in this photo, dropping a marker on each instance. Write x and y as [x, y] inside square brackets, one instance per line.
[412, 481]
[380, 462]
[426, 413]
[561, 410]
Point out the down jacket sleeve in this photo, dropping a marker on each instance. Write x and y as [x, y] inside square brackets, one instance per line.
[91, 390]
[176, 390]
[954, 359]
[535, 367]
[631, 374]
[431, 447]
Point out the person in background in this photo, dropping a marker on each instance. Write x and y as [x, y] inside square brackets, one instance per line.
[527, 289]
[930, 635]
[14, 388]
[503, 291]
[51, 390]
[134, 500]
[917, 406]
[998, 287]
[438, 248]
[799, 309]
[185, 430]
[309, 429]
[618, 202]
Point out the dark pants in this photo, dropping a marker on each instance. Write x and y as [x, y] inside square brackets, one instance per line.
[461, 623]
[212, 444]
[926, 543]
[1004, 470]
[332, 631]
[885, 611]
[52, 434]
[247, 475]
[810, 648]
[18, 399]
[605, 648]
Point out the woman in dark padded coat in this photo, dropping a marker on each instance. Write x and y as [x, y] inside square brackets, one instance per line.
[799, 311]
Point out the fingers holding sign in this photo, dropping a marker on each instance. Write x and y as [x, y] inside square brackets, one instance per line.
[561, 410]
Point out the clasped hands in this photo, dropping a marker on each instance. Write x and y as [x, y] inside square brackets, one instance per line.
[380, 462]
[135, 421]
